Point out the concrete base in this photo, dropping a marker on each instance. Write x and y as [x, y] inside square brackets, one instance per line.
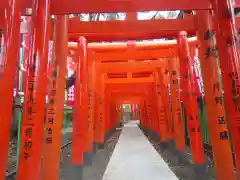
[109, 134]
[155, 135]
[74, 172]
[165, 145]
[141, 126]
[147, 130]
[200, 171]
[112, 131]
[95, 147]
[100, 146]
[172, 146]
[119, 125]
[181, 157]
[87, 158]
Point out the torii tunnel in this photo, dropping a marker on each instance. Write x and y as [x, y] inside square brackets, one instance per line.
[164, 92]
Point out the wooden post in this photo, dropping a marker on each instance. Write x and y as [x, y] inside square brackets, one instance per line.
[8, 73]
[78, 128]
[90, 111]
[216, 114]
[153, 117]
[189, 97]
[101, 124]
[229, 62]
[164, 81]
[82, 44]
[35, 95]
[55, 107]
[177, 115]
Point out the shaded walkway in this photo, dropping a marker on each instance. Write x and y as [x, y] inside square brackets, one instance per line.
[134, 158]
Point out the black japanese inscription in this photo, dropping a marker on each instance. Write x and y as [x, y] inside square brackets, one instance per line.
[28, 132]
[49, 140]
[26, 155]
[30, 110]
[221, 120]
[50, 120]
[224, 135]
[49, 131]
[28, 144]
[219, 100]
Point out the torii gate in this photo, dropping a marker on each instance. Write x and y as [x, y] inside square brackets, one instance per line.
[229, 61]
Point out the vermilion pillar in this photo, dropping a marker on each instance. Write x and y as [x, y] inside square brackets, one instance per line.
[155, 109]
[216, 115]
[118, 115]
[103, 114]
[162, 119]
[135, 111]
[107, 113]
[8, 73]
[55, 106]
[151, 109]
[97, 104]
[121, 112]
[90, 112]
[93, 105]
[145, 116]
[230, 65]
[82, 44]
[132, 110]
[114, 115]
[147, 110]
[78, 128]
[177, 115]
[189, 96]
[140, 112]
[164, 81]
[111, 112]
[35, 94]
[100, 128]
[148, 114]
[173, 66]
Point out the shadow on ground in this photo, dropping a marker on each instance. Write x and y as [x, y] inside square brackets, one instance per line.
[99, 164]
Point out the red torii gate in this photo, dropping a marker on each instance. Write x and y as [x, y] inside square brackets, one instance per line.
[110, 6]
[224, 26]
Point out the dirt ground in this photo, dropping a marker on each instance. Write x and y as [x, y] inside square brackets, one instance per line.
[99, 164]
[102, 157]
[184, 171]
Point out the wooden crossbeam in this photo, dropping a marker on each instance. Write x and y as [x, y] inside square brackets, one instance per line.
[134, 55]
[129, 66]
[127, 30]
[150, 79]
